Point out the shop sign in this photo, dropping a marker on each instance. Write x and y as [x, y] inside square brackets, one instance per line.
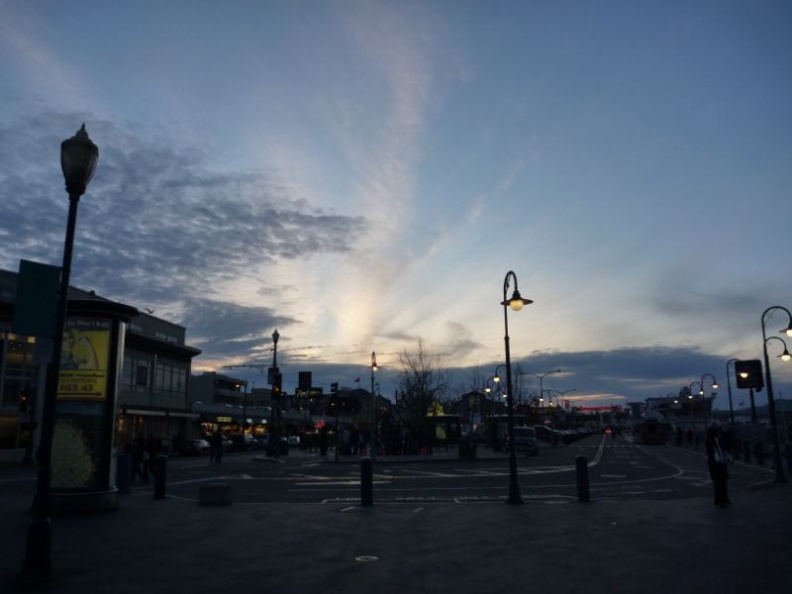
[84, 359]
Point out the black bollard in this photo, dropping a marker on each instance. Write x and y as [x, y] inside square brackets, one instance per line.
[160, 471]
[581, 471]
[123, 473]
[366, 480]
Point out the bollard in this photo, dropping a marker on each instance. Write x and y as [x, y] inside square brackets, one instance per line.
[123, 470]
[581, 472]
[366, 479]
[160, 471]
[746, 450]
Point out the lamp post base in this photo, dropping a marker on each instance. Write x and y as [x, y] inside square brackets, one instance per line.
[38, 561]
[514, 495]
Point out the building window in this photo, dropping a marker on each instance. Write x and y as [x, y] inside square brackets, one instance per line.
[170, 380]
[135, 374]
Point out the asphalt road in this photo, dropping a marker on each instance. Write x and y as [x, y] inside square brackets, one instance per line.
[617, 470]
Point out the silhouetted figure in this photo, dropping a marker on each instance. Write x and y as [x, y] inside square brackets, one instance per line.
[323, 439]
[216, 447]
[139, 460]
[717, 462]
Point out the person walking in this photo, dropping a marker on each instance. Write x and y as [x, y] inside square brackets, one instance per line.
[717, 461]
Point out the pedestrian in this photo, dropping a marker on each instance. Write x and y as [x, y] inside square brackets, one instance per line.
[717, 461]
[323, 441]
[153, 447]
[139, 460]
[216, 447]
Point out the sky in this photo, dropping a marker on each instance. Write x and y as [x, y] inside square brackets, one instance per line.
[362, 175]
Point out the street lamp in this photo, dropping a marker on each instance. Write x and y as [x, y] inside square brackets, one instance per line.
[714, 381]
[785, 356]
[559, 393]
[516, 302]
[728, 386]
[78, 162]
[273, 443]
[541, 377]
[373, 406]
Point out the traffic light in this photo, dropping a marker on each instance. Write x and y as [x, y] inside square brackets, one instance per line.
[334, 388]
[23, 402]
[749, 374]
[277, 390]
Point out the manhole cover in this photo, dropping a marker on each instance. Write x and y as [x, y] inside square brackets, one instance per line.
[366, 558]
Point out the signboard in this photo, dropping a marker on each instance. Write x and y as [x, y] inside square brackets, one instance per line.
[309, 393]
[36, 299]
[305, 380]
[749, 374]
[84, 359]
[616, 408]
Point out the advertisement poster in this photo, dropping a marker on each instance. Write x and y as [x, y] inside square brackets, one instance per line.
[84, 359]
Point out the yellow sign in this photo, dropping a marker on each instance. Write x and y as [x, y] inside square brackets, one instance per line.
[84, 359]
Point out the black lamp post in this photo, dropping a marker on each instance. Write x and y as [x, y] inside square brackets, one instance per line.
[78, 163]
[714, 381]
[785, 356]
[273, 443]
[541, 377]
[373, 406]
[728, 386]
[516, 302]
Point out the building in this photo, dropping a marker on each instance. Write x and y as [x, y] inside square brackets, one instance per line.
[152, 393]
[222, 402]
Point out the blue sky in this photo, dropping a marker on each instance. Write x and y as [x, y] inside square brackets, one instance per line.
[362, 175]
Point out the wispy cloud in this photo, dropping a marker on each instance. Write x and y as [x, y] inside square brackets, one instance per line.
[159, 228]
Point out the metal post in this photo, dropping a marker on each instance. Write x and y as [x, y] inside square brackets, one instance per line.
[366, 482]
[581, 473]
[38, 562]
[777, 465]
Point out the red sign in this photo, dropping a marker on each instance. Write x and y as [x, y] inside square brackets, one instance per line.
[616, 408]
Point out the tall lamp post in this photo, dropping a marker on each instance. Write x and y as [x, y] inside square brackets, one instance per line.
[728, 387]
[713, 387]
[541, 377]
[714, 384]
[516, 302]
[560, 393]
[273, 444]
[779, 469]
[373, 406]
[78, 163]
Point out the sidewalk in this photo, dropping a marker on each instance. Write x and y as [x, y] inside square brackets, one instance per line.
[172, 546]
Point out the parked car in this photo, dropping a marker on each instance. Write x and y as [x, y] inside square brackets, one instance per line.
[194, 447]
[525, 440]
[242, 443]
[545, 433]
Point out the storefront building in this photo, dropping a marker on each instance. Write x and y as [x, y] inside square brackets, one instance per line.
[153, 388]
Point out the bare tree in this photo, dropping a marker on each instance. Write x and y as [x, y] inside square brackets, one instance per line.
[422, 382]
[476, 381]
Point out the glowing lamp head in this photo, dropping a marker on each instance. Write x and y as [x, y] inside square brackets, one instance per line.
[517, 302]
